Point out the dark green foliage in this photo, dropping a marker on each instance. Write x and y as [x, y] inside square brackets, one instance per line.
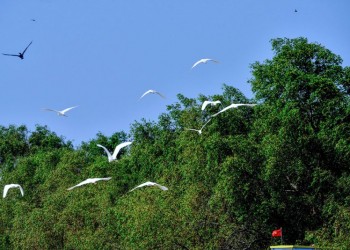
[304, 107]
[43, 139]
[13, 143]
[282, 163]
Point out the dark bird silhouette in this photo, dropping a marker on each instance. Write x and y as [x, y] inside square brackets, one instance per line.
[20, 55]
[295, 10]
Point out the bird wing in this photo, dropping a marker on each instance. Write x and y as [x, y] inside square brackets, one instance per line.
[223, 110]
[51, 110]
[148, 183]
[6, 188]
[93, 180]
[104, 179]
[242, 104]
[21, 189]
[106, 150]
[9, 54]
[234, 105]
[192, 129]
[205, 124]
[24, 51]
[147, 92]
[198, 62]
[249, 105]
[205, 104]
[160, 94]
[67, 109]
[80, 184]
[161, 187]
[90, 180]
[118, 147]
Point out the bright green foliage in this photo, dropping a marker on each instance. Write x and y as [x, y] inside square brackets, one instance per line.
[282, 163]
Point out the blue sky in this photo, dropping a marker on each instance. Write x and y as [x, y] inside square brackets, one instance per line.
[103, 55]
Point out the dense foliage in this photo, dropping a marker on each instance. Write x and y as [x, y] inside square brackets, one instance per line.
[282, 163]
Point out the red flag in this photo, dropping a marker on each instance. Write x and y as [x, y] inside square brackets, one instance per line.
[277, 233]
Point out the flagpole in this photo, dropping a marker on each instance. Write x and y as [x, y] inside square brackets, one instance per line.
[281, 236]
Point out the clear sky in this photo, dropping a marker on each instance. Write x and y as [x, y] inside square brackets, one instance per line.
[103, 55]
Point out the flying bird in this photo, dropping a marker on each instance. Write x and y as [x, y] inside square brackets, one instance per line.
[116, 150]
[233, 105]
[151, 91]
[20, 54]
[150, 184]
[206, 103]
[61, 112]
[90, 180]
[205, 60]
[7, 187]
[199, 130]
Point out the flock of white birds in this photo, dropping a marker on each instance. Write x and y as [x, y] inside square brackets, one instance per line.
[112, 157]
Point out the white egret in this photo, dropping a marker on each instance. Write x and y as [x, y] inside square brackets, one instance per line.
[151, 91]
[205, 60]
[234, 105]
[149, 183]
[199, 130]
[116, 150]
[61, 112]
[90, 180]
[206, 103]
[7, 187]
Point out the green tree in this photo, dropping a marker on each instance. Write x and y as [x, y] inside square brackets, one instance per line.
[304, 105]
